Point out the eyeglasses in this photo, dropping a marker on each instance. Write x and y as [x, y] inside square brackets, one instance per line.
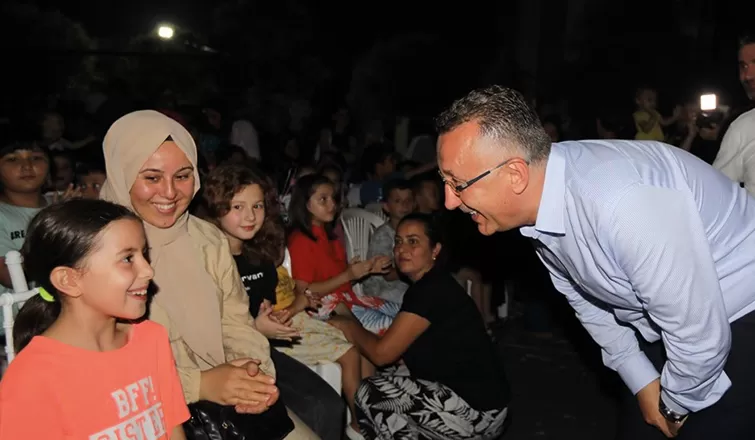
[457, 189]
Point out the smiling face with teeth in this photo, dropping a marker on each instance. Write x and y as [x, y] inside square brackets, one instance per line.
[114, 279]
[164, 186]
[505, 198]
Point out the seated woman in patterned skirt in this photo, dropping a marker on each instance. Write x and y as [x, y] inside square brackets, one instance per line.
[454, 386]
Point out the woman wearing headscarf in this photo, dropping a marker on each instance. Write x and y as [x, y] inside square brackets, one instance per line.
[151, 163]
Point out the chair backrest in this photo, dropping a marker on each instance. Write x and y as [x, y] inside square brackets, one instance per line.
[287, 262]
[358, 226]
[377, 209]
[20, 294]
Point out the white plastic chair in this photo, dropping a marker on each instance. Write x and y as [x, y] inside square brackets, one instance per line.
[358, 226]
[377, 209]
[331, 372]
[20, 294]
[505, 307]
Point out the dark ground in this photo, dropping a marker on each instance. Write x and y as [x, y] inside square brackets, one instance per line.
[560, 389]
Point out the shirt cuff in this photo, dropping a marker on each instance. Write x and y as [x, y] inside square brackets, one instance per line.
[673, 406]
[637, 371]
[191, 378]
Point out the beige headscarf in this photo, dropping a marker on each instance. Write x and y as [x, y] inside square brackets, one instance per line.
[185, 290]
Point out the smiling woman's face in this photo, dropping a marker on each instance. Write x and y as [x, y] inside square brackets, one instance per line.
[164, 187]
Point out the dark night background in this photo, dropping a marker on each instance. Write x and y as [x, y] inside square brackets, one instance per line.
[581, 58]
[584, 51]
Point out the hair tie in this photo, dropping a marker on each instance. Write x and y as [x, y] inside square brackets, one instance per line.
[45, 294]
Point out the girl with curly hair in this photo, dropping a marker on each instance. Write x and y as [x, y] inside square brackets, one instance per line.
[243, 203]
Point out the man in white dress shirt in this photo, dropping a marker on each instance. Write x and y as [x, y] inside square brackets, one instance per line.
[653, 248]
[736, 157]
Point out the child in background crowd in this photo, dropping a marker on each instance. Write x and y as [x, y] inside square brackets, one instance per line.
[24, 168]
[398, 203]
[648, 121]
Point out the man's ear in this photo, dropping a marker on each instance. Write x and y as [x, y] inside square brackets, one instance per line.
[66, 281]
[519, 175]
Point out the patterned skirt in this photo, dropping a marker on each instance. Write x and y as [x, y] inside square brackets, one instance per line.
[375, 314]
[392, 405]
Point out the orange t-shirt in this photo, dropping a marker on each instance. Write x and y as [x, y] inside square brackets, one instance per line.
[56, 391]
[321, 260]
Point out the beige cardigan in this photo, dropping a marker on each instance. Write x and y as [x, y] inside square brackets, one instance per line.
[240, 337]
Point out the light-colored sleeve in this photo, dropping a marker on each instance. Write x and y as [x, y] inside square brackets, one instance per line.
[381, 243]
[659, 241]
[173, 399]
[736, 157]
[620, 349]
[188, 370]
[240, 337]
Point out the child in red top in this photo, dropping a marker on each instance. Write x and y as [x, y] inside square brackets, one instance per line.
[318, 259]
[84, 371]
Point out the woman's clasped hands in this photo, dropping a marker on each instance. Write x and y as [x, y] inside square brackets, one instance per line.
[241, 384]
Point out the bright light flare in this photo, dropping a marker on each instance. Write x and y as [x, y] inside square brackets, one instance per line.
[165, 32]
[708, 102]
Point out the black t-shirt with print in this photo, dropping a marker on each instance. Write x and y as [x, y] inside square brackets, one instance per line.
[455, 350]
[259, 281]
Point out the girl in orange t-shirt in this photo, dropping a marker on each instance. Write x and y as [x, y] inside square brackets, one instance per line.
[85, 368]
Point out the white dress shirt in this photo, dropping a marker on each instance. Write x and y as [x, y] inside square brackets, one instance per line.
[646, 235]
[736, 157]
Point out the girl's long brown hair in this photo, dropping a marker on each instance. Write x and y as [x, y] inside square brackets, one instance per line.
[224, 182]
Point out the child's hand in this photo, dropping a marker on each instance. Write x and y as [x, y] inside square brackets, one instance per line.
[271, 328]
[381, 264]
[358, 269]
[283, 317]
[72, 192]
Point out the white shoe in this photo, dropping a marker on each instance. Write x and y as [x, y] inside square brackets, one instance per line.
[351, 434]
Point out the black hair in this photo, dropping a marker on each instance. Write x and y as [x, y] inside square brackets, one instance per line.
[19, 138]
[63, 234]
[65, 155]
[431, 223]
[298, 213]
[419, 179]
[86, 168]
[226, 152]
[745, 39]
[375, 154]
[332, 158]
[395, 184]
[328, 167]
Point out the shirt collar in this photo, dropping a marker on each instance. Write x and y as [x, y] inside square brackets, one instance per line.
[550, 214]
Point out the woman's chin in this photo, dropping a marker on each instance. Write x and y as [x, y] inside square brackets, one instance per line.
[160, 221]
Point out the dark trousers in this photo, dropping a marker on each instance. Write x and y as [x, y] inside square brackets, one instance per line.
[731, 418]
[309, 397]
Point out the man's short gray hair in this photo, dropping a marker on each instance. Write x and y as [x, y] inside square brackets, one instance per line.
[503, 115]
